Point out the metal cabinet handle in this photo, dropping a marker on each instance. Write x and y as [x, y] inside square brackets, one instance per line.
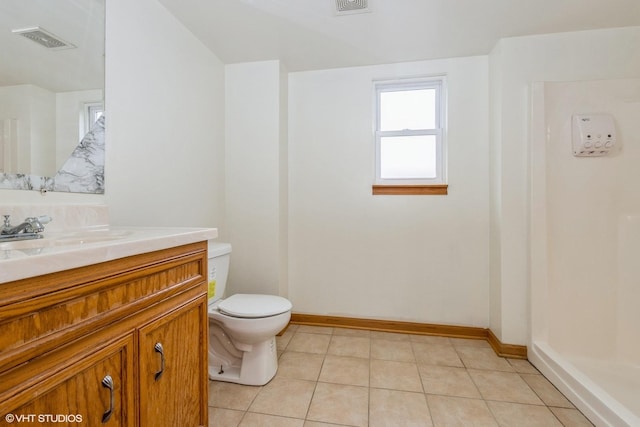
[108, 383]
[159, 349]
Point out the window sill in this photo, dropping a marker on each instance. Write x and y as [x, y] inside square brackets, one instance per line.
[411, 190]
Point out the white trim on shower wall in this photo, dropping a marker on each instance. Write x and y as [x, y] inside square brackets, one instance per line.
[538, 280]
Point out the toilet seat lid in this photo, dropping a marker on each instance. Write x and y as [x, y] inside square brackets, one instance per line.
[254, 305]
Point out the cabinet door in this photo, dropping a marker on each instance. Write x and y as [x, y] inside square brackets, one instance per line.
[173, 368]
[96, 391]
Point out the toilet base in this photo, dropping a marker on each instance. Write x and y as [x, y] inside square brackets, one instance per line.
[258, 366]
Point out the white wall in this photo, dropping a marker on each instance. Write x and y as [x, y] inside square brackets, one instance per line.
[43, 130]
[410, 258]
[516, 63]
[256, 180]
[495, 182]
[15, 104]
[34, 109]
[165, 120]
[283, 191]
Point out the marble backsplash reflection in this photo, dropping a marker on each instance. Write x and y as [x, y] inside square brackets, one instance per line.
[83, 172]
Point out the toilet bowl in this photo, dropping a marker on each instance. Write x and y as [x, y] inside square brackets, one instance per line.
[242, 327]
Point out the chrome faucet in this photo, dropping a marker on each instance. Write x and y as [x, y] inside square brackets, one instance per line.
[28, 229]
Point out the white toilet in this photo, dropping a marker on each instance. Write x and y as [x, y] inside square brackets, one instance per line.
[242, 327]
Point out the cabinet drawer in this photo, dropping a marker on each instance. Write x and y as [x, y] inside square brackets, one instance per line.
[95, 391]
[61, 310]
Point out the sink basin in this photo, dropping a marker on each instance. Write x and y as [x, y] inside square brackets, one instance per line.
[83, 240]
[91, 236]
[24, 244]
[74, 238]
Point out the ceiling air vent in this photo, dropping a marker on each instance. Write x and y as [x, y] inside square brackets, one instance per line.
[44, 38]
[348, 7]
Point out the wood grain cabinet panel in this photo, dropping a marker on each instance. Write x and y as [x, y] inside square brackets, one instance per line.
[122, 343]
[171, 380]
[97, 391]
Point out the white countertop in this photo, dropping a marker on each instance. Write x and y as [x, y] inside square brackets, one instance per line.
[63, 250]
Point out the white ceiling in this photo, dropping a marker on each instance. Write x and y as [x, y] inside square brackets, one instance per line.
[307, 34]
[304, 34]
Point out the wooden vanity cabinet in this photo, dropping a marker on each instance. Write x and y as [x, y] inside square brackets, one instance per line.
[122, 343]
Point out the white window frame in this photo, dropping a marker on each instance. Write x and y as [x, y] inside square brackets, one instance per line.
[86, 119]
[439, 84]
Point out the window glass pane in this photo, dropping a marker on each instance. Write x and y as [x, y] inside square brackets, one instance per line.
[408, 109]
[408, 157]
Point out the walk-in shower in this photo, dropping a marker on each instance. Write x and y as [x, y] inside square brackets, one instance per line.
[585, 250]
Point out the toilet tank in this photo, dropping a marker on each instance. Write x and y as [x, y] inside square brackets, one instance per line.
[218, 269]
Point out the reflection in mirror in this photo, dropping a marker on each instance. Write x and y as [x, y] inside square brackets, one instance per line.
[51, 94]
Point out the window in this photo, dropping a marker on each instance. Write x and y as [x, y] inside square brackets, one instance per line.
[409, 135]
[91, 113]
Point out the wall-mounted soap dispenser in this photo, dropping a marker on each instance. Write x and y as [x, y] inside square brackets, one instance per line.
[593, 134]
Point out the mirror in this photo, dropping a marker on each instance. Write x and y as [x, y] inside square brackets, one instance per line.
[51, 94]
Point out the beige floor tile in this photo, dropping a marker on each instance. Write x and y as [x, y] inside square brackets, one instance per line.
[231, 396]
[224, 417]
[393, 336]
[546, 391]
[309, 343]
[395, 375]
[467, 342]
[483, 358]
[398, 408]
[283, 340]
[523, 366]
[318, 424]
[285, 397]
[447, 380]
[400, 351]
[315, 329]
[345, 370]
[340, 404]
[349, 346]
[433, 354]
[351, 377]
[261, 420]
[302, 366]
[518, 415]
[428, 339]
[571, 417]
[503, 386]
[347, 332]
[457, 411]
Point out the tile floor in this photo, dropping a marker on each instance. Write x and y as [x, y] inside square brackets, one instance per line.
[347, 377]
